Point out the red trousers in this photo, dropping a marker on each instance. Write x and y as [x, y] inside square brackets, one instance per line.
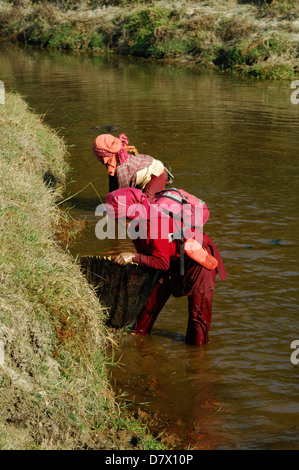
[200, 313]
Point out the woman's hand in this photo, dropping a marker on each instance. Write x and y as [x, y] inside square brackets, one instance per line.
[124, 258]
[132, 149]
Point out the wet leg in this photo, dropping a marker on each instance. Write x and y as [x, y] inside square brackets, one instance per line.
[152, 308]
[199, 321]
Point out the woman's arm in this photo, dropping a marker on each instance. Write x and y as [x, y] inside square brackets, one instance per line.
[159, 257]
[113, 183]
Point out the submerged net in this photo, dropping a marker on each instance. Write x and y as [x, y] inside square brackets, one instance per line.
[123, 290]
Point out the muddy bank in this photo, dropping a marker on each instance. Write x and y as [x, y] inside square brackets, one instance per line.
[253, 38]
[54, 383]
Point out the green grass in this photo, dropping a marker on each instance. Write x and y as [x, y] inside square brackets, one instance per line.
[275, 72]
[254, 58]
[280, 6]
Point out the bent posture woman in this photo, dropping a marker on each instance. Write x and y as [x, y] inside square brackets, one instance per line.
[161, 252]
[128, 169]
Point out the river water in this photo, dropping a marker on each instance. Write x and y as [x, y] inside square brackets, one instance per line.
[233, 143]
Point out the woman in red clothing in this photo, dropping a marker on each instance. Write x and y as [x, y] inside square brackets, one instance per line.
[156, 251]
[127, 168]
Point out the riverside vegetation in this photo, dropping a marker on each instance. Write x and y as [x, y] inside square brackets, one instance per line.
[54, 381]
[249, 37]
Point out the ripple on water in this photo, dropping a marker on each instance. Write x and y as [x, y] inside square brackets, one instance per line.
[235, 145]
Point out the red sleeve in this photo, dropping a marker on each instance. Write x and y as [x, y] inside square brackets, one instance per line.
[159, 257]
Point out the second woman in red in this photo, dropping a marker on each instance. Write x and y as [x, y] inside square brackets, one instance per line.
[158, 252]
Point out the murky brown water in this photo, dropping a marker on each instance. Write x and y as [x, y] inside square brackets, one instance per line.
[233, 143]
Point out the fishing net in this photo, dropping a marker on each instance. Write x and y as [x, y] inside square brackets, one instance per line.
[123, 290]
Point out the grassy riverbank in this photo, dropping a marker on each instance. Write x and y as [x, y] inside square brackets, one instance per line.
[54, 387]
[255, 38]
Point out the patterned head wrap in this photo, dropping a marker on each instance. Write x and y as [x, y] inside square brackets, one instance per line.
[110, 150]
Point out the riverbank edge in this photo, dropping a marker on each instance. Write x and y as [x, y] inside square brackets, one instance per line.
[247, 40]
[54, 381]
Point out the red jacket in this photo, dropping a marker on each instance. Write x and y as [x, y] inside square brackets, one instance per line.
[161, 254]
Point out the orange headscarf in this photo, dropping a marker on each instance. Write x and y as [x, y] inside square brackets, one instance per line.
[110, 149]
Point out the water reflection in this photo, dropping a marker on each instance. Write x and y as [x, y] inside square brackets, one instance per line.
[234, 144]
[160, 383]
